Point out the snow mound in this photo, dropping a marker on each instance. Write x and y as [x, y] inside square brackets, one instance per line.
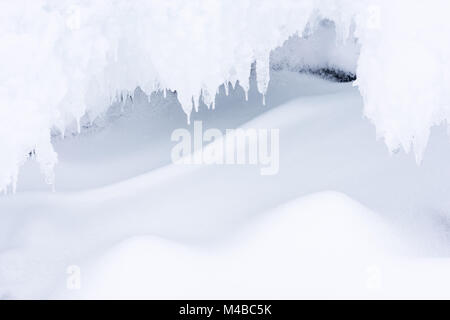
[318, 245]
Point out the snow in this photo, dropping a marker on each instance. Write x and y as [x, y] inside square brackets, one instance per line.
[316, 49]
[342, 219]
[93, 90]
[271, 258]
[65, 60]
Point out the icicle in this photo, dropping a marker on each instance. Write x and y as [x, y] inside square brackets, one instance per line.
[194, 105]
[78, 125]
[14, 183]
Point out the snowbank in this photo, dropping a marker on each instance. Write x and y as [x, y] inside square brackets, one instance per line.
[324, 245]
[62, 59]
[124, 213]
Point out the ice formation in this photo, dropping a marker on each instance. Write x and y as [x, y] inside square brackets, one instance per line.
[63, 59]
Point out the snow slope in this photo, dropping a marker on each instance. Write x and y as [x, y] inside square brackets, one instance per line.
[284, 253]
[343, 218]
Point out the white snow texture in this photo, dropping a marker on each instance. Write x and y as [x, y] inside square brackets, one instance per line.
[61, 60]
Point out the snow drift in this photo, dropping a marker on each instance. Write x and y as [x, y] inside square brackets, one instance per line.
[65, 59]
[338, 213]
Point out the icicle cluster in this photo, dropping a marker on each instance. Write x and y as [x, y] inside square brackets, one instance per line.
[62, 59]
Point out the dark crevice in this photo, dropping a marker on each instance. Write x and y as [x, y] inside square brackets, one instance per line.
[326, 73]
[334, 75]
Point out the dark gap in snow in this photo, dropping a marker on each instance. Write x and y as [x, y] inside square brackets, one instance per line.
[334, 75]
[330, 74]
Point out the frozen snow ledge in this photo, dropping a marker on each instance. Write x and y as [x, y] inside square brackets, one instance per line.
[63, 59]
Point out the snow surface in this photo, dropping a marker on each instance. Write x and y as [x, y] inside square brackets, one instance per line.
[62, 60]
[342, 219]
